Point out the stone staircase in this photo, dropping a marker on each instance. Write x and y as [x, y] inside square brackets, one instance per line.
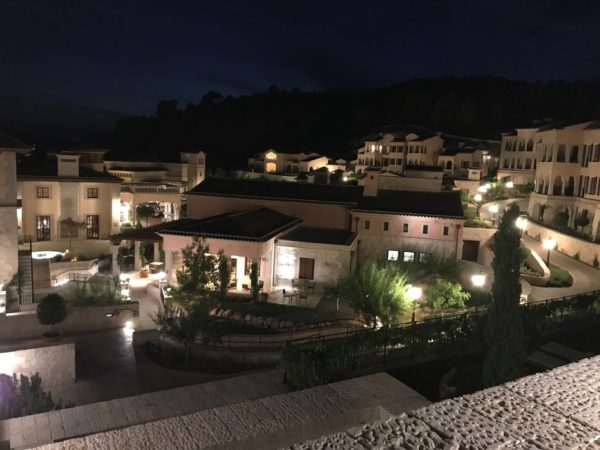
[25, 269]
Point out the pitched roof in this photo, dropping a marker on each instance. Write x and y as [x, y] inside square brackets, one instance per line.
[257, 224]
[8, 142]
[400, 131]
[49, 171]
[279, 190]
[320, 236]
[413, 203]
[452, 151]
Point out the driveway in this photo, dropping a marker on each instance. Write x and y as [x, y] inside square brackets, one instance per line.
[585, 278]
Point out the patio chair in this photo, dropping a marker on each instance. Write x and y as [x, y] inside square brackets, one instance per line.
[295, 282]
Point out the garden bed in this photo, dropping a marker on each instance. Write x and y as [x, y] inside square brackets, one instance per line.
[245, 306]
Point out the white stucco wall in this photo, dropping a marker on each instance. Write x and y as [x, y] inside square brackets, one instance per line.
[331, 261]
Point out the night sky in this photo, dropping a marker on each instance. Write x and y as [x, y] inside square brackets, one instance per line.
[125, 56]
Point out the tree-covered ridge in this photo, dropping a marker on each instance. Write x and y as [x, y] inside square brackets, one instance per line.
[232, 128]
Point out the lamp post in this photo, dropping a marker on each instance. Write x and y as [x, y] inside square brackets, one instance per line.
[477, 198]
[494, 210]
[521, 224]
[414, 293]
[549, 244]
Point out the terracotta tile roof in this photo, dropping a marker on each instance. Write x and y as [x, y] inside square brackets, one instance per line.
[279, 190]
[416, 203]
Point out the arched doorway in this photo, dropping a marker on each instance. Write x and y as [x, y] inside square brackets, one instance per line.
[557, 186]
[570, 188]
[449, 165]
[271, 167]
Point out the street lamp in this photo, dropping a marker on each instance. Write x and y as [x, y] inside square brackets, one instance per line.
[494, 210]
[414, 293]
[549, 244]
[478, 280]
[478, 198]
[521, 224]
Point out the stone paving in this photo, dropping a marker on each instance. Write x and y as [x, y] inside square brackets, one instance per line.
[559, 409]
[29, 431]
[268, 422]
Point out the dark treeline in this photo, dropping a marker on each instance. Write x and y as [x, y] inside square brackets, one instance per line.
[230, 129]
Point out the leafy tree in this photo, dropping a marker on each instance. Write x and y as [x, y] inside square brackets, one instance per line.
[194, 324]
[199, 277]
[504, 331]
[254, 288]
[51, 310]
[203, 280]
[582, 221]
[144, 211]
[377, 292]
[23, 396]
[445, 295]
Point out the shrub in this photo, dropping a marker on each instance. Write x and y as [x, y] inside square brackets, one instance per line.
[559, 278]
[51, 310]
[445, 295]
[23, 396]
[560, 219]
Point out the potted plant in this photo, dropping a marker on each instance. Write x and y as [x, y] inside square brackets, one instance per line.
[51, 310]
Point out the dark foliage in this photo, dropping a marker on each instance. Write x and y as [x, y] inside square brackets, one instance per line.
[231, 129]
[22, 396]
[504, 332]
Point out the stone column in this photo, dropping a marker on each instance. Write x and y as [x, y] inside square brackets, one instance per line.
[115, 262]
[156, 256]
[169, 266]
[240, 267]
[137, 261]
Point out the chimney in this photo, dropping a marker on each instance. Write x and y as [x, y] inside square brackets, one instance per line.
[371, 183]
[68, 165]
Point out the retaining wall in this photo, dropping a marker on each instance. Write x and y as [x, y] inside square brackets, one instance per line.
[569, 245]
[80, 319]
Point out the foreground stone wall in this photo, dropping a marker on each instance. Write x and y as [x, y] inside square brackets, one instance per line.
[55, 363]
[90, 318]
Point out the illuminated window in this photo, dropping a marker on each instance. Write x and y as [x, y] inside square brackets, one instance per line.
[93, 226]
[424, 258]
[393, 255]
[271, 155]
[43, 228]
[408, 257]
[42, 192]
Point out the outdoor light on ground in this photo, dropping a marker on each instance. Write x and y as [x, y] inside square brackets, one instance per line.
[414, 293]
[548, 244]
[478, 280]
[510, 184]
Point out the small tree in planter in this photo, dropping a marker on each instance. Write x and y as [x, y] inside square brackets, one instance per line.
[51, 310]
[582, 221]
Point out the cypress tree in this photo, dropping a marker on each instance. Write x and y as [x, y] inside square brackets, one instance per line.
[504, 332]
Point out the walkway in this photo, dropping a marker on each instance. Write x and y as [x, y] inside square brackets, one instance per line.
[585, 278]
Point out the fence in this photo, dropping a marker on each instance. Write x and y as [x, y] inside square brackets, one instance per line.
[323, 360]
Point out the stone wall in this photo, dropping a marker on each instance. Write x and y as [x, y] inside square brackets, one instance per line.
[485, 238]
[569, 245]
[81, 319]
[9, 251]
[55, 363]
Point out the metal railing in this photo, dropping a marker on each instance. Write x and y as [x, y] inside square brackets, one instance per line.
[347, 328]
